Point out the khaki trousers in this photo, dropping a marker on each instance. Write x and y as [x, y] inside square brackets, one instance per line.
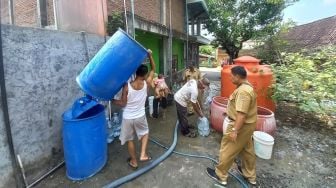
[230, 150]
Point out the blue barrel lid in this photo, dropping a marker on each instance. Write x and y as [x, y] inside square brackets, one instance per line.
[83, 105]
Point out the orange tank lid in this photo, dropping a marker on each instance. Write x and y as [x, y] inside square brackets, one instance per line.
[244, 60]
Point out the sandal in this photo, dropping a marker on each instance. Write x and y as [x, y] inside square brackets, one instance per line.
[191, 135]
[145, 160]
[131, 165]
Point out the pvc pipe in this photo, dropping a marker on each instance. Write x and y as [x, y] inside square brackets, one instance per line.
[4, 104]
[46, 174]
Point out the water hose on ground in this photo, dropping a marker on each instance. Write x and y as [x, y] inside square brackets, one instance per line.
[157, 161]
[241, 181]
[145, 169]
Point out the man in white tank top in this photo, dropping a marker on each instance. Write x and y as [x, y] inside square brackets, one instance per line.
[189, 92]
[134, 121]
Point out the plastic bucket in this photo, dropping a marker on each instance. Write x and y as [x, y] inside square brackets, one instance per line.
[263, 144]
[84, 142]
[112, 66]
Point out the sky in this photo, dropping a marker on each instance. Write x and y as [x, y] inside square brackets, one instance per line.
[306, 11]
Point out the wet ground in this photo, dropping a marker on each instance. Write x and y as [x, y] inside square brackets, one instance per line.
[304, 155]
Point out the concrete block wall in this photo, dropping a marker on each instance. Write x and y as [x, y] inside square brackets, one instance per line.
[6, 170]
[40, 70]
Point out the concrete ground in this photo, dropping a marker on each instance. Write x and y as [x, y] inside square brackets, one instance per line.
[175, 171]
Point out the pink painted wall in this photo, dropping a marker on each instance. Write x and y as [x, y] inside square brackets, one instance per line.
[83, 15]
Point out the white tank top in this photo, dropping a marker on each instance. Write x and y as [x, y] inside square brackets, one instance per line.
[135, 107]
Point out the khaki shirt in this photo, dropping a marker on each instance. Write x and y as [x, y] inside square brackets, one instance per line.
[196, 74]
[243, 99]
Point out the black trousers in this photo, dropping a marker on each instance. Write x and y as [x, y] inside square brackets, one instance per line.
[182, 118]
[163, 104]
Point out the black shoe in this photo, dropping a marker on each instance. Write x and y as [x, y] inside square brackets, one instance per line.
[241, 173]
[212, 174]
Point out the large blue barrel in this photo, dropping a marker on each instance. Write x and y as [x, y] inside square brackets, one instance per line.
[112, 66]
[84, 142]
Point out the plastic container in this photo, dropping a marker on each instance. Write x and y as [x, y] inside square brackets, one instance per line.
[260, 76]
[84, 142]
[218, 112]
[112, 66]
[150, 104]
[116, 123]
[266, 121]
[110, 131]
[82, 105]
[263, 144]
[203, 126]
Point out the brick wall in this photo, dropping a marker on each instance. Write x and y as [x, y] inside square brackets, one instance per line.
[50, 12]
[4, 11]
[151, 10]
[25, 13]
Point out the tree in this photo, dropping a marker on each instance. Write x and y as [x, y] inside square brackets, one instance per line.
[207, 49]
[236, 21]
[271, 47]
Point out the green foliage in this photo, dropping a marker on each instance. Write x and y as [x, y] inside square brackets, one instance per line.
[207, 49]
[115, 21]
[309, 79]
[270, 47]
[235, 21]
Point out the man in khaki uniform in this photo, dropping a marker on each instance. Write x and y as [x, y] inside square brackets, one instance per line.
[237, 139]
[193, 73]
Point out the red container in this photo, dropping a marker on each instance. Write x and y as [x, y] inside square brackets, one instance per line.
[260, 76]
[266, 121]
[218, 112]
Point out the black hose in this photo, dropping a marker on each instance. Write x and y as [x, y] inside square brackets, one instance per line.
[4, 103]
[145, 169]
[241, 181]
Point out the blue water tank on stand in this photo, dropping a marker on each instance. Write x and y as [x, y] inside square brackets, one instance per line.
[84, 139]
[112, 66]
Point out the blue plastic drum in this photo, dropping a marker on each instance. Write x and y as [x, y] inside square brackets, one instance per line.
[112, 66]
[84, 142]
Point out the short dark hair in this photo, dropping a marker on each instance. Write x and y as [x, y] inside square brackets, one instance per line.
[142, 71]
[240, 71]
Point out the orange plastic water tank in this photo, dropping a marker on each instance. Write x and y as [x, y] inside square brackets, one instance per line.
[260, 76]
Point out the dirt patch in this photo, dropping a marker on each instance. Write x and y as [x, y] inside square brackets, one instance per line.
[304, 152]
